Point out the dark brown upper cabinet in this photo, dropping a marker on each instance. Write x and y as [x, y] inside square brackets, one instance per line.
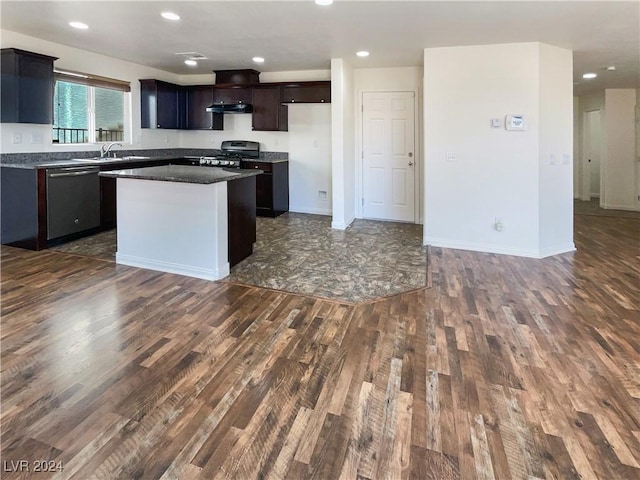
[269, 114]
[306, 92]
[27, 87]
[162, 105]
[199, 97]
[236, 94]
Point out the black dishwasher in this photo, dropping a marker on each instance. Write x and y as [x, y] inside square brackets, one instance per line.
[73, 200]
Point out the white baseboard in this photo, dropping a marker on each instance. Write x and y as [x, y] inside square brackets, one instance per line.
[312, 211]
[167, 267]
[620, 207]
[486, 248]
[340, 225]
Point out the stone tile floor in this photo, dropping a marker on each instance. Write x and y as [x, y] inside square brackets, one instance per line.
[301, 253]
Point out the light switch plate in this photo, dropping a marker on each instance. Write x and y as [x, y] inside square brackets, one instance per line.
[451, 157]
[496, 123]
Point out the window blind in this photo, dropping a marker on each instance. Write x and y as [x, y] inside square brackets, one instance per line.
[91, 80]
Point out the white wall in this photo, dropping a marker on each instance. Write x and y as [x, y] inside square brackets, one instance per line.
[496, 173]
[556, 151]
[237, 126]
[619, 172]
[403, 79]
[343, 162]
[310, 189]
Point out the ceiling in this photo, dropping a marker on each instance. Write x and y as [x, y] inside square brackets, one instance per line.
[300, 35]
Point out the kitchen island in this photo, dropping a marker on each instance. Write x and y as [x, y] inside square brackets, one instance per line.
[187, 220]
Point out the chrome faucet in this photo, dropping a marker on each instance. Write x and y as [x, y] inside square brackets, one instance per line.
[105, 148]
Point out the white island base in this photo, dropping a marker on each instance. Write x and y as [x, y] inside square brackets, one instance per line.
[173, 227]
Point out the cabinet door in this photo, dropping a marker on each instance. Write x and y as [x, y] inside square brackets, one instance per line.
[268, 112]
[198, 99]
[307, 92]
[264, 192]
[162, 105]
[167, 106]
[232, 95]
[27, 87]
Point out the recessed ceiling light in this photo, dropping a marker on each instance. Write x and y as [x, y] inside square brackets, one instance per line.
[611, 68]
[170, 16]
[362, 53]
[324, 2]
[589, 75]
[258, 59]
[79, 25]
[191, 62]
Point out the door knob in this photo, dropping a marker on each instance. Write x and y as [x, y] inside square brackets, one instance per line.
[410, 163]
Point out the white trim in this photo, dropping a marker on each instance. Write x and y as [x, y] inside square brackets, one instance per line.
[186, 270]
[342, 226]
[620, 207]
[312, 211]
[487, 248]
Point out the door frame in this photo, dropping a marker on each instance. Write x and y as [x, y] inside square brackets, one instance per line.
[585, 180]
[417, 139]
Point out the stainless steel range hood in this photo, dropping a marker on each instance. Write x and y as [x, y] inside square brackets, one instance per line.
[230, 108]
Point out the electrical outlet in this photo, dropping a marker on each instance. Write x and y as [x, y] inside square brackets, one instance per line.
[36, 138]
[322, 194]
[566, 159]
[315, 144]
[552, 159]
[451, 156]
[498, 225]
[17, 137]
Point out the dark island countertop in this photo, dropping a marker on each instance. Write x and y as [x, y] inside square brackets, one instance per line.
[183, 174]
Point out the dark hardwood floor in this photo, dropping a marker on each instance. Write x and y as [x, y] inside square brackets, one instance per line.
[507, 368]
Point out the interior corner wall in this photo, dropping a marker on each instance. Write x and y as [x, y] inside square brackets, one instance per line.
[342, 144]
[475, 174]
[556, 151]
[619, 172]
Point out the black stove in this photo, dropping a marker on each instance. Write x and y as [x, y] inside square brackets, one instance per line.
[232, 153]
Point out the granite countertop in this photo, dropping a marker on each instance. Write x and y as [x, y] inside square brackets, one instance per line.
[183, 173]
[113, 162]
[88, 162]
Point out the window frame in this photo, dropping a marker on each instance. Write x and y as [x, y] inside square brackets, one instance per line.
[92, 82]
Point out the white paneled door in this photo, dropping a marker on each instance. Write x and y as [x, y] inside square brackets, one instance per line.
[388, 152]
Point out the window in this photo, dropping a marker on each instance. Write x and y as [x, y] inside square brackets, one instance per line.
[89, 109]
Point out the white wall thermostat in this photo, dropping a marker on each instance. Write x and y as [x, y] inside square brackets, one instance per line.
[514, 122]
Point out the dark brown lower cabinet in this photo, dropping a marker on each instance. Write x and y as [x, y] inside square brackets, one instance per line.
[272, 187]
[241, 204]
